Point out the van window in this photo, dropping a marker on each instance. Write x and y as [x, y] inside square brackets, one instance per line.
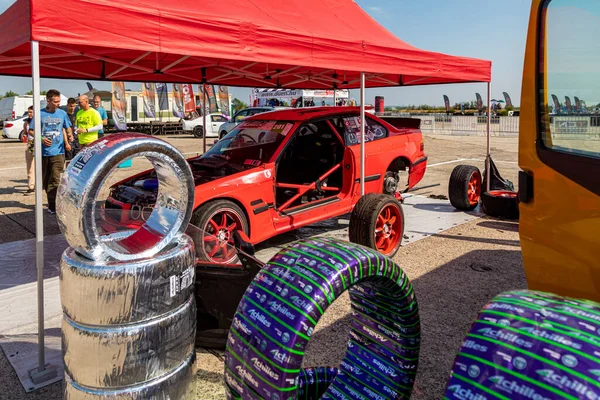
[570, 84]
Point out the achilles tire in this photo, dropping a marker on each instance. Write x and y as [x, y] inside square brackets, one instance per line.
[198, 131]
[277, 316]
[363, 220]
[458, 187]
[122, 355]
[500, 204]
[540, 343]
[117, 292]
[178, 384]
[204, 213]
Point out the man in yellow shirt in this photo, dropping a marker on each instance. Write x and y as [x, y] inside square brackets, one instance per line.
[88, 122]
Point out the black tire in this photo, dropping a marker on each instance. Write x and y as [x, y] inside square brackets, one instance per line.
[363, 221]
[204, 213]
[390, 183]
[21, 134]
[222, 134]
[458, 187]
[198, 131]
[500, 204]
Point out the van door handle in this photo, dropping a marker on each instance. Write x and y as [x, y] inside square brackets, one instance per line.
[525, 187]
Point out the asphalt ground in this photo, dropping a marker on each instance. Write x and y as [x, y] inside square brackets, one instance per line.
[454, 273]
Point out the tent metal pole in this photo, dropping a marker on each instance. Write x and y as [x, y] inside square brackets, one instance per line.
[204, 118]
[362, 133]
[39, 217]
[334, 97]
[488, 156]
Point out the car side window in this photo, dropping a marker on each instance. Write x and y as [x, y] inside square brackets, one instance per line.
[240, 116]
[218, 118]
[570, 105]
[252, 112]
[373, 131]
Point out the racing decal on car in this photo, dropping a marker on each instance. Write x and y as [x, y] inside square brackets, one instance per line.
[254, 163]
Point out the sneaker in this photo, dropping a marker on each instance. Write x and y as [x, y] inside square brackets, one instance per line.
[29, 191]
[50, 211]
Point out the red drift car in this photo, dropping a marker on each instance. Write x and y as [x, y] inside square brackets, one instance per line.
[285, 169]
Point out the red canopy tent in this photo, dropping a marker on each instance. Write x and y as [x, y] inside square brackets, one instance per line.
[310, 44]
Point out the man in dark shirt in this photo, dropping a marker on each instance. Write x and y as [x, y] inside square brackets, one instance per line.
[72, 114]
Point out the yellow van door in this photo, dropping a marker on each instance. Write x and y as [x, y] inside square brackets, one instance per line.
[559, 149]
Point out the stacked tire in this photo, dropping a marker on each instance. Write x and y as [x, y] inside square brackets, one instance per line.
[530, 345]
[129, 310]
[278, 314]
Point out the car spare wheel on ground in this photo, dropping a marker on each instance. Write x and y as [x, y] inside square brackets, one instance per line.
[464, 188]
[377, 221]
[198, 131]
[500, 204]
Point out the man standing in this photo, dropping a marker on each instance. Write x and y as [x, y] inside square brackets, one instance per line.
[55, 129]
[102, 112]
[29, 152]
[88, 122]
[72, 114]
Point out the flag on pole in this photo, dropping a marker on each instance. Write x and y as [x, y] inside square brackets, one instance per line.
[119, 106]
[568, 104]
[447, 103]
[224, 99]
[163, 97]
[188, 98]
[507, 99]
[149, 95]
[556, 104]
[479, 102]
[211, 99]
[578, 105]
[177, 101]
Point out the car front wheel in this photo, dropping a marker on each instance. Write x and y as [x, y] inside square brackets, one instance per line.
[218, 220]
[222, 134]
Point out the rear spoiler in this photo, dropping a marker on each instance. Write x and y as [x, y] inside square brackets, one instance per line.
[402, 122]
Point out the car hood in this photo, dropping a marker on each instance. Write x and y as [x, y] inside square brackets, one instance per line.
[143, 188]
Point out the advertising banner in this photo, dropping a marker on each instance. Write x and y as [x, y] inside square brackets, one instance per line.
[507, 100]
[177, 101]
[119, 106]
[568, 104]
[149, 95]
[211, 99]
[578, 105]
[447, 103]
[188, 98]
[556, 104]
[479, 102]
[163, 97]
[224, 99]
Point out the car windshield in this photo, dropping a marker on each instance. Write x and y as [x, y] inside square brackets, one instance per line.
[251, 143]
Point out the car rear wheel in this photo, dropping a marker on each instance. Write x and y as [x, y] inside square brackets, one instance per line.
[198, 131]
[377, 221]
[390, 183]
[464, 188]
[218, 220]
[21, 135]
[500, 204]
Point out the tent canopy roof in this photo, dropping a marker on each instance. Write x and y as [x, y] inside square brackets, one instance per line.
[312, 44]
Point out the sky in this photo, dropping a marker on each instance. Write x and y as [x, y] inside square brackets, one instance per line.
[491, 30]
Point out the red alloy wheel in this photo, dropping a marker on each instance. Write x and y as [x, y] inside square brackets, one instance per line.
[503, 193]
[218, 237]
[388, 229]
[474, 191]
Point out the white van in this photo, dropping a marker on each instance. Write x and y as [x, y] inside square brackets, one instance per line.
[14, 107]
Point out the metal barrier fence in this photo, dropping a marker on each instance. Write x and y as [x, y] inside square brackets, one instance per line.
[584, 127]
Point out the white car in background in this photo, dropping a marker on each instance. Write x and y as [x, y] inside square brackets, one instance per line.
[213, 120]
[14, 129]
[239, 116]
